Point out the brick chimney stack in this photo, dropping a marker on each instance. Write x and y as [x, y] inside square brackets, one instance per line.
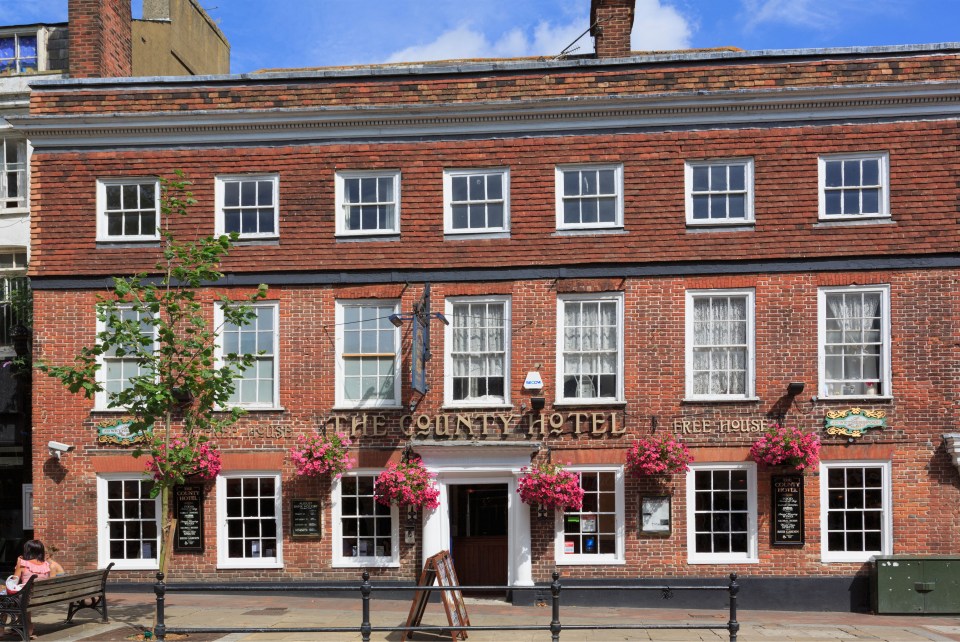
[612, 22]
[100, 34]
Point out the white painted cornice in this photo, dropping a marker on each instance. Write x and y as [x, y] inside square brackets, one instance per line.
[546, 116]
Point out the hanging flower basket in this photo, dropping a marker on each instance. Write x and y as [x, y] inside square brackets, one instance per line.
[658, 456]
[318, 455]
[551, 486]
[407, 484]
[786, 446]
[184, 460]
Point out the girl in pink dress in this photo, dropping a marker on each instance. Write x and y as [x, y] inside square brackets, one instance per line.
[34, 563]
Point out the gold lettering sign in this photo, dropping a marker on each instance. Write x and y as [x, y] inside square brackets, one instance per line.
[488, 426]
[698, 426]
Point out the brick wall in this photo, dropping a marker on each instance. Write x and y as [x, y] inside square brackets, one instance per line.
[923, 193]
[925, 315]
[100, 38]
[611, 22]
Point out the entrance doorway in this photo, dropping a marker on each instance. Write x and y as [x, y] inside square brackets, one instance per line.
[478, 529]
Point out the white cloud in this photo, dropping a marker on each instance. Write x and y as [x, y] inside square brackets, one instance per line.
[465, 41]
[659, 27]
[656, 27]
[823, 15]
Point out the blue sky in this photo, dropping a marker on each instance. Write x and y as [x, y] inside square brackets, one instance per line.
[313, 33]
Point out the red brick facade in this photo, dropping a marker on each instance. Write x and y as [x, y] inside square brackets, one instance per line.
[100, 38]
[783, 258]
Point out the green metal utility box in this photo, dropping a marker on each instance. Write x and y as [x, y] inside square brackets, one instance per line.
[913, 584]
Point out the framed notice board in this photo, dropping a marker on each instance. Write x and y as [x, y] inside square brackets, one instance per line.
[188, 510]
[305, 517]
[787, 510]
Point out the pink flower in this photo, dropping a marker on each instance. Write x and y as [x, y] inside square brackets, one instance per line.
[658, 456]
[321, 454]
[551, 486]
[781, 445]
[407, 484]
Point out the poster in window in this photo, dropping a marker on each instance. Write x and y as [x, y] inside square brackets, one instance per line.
[655, 515]
[588, 524]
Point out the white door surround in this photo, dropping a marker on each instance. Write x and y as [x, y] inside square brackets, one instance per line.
[480, 463]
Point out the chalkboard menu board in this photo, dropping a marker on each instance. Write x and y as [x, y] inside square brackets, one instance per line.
[439, 570]
[787, 510]
[188, 509]
[305, 517]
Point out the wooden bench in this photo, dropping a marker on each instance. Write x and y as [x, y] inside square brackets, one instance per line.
[81, 590]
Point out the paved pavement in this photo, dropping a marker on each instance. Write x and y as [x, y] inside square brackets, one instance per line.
[131, 613]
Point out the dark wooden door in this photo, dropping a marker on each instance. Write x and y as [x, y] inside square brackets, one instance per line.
[479, 525]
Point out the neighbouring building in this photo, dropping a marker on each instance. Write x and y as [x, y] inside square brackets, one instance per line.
[690, 243]
[174, 37]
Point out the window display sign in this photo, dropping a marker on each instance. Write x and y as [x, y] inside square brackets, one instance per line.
[655, 515]
[787, 520]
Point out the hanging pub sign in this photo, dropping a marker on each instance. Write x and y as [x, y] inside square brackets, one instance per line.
[853, 422]
[418, 351]
[787, 522]
[117, 431]
[188, 510]
[305, 518]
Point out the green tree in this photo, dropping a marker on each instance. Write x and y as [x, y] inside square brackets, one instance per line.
[180, 398]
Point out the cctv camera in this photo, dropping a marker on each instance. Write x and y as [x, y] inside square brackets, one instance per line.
[56, 448]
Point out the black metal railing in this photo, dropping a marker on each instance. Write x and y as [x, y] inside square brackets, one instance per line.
[366, 589]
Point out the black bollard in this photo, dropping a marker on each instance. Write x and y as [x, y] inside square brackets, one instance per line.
[555, 615]
[733, 626]
[365, 595]
[160, 630]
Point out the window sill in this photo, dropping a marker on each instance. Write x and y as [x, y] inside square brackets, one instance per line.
[449, 235]
[590, 231]
[588, 562]
[378, 236]
[739, 226]
[703, 400]
[341, 407]
[476, 407]
[247, 564]
[14, 211]
[846, 222]
[265, 240]
[111, 411]
[119, 244]
[250, 409]
[589, 403]
[726, 561]
[366, 562]
[858, 398]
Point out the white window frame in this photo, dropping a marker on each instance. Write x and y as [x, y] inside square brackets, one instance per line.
[340, 193]
[747, 164]
[219, 322]
[562, 300]
[103, 526]
[885, 337]
[559, 193]
[691, 296]
[371, 561]
[884, 177]
[101, 400]
[41, 36]
[448, 356]
[341, 401]
[102, 184]
[22, 170]
[828, 556]
[220, 196]
[751, 556]
[223, 560]
[450, 174]
[565, 559]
